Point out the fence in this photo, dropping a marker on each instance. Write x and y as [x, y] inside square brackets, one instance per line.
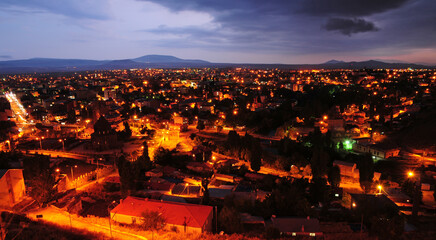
[90, 176]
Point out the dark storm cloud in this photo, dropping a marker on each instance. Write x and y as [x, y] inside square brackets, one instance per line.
[349, 26]
[312, 7]
[304, 21]
[281, 15]
[354, 8]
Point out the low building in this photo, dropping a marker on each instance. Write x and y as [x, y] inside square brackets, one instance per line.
[347, 169]
[290, 226]
[377, 150]
[373, 204]
[12, 188]
[185, 217]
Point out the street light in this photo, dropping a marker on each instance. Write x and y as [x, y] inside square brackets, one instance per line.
[40, 144]
[379, 187]
[63, 144]
[109, 212]
[417, 191]
[72, 174]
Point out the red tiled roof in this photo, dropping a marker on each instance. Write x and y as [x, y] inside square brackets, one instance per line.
[174, 213]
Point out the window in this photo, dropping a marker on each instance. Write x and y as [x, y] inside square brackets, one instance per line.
[294, 234]
[312, 234]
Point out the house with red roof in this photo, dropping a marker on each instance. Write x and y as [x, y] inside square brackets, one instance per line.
[184, 216]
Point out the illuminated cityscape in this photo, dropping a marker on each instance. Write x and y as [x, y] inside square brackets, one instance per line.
[251, 143]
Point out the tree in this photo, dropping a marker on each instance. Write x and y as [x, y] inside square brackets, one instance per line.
[318, 190]
[36, 169]
[127, 130]
[255, 156]
[33, 166]
[205, 189]
[152, 220]
[230, 220]
[42, 187]
[200, 125]
[143, 162]
[334, 176]
[408, 187]
[128, 175]
[163, 156]
[286, 200]
[233, 138]
[319, 162]
[366, 172]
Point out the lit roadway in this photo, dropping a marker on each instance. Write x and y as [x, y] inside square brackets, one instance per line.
[19, 112]
[64, 219]
[17, 108]
[59, 153]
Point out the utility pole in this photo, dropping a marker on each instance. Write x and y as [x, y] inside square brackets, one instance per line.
[216, 219]
[417, 193]
[97, 169]
[71, 224]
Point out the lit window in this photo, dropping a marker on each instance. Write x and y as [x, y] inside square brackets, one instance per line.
[312, 234]
[294, 234]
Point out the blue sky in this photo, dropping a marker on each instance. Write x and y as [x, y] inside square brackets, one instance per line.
[249, 31]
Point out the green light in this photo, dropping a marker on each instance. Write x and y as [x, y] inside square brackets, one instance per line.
[348, 145]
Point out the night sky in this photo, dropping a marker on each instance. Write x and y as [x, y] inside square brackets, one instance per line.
[249, 31]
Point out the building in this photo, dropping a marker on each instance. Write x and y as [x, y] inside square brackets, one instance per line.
[12, 189]
[185, 217]
[347, 169]
[373, 204]
[377, 150]
[104, 137]
[290, 226]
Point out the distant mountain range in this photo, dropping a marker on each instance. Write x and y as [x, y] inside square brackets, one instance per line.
[165, 61]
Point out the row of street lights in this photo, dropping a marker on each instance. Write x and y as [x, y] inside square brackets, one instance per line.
[40, 143]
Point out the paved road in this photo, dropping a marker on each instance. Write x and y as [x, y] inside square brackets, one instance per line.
[63, 218]
[59, 153]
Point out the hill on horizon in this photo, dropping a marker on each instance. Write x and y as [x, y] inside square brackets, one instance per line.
[168, 61]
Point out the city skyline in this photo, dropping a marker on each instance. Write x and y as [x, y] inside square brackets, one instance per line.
[289, 32]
